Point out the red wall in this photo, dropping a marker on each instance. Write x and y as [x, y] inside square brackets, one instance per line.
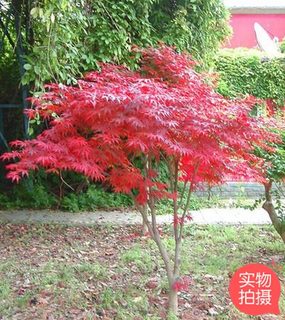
[243, 32]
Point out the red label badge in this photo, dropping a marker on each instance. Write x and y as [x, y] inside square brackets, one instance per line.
[255, 290]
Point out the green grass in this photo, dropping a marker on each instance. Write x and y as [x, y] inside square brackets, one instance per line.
[5, 290]
[130, 303]
[95, 272]
[216, 252]
[139, 258]
[219, 251]
[87, 270]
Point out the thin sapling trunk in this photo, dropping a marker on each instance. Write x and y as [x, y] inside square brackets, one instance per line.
[172, 266]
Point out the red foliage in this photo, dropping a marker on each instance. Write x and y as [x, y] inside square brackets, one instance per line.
[271, 107]
[177, 220]
[181, 284]
[166, 108]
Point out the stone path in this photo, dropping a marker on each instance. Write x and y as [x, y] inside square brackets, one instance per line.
[206, 216]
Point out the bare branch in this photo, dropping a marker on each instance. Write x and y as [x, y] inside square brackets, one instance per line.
[63, 181]
[188, 200]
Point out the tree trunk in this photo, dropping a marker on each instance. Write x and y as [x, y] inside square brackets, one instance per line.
[144, 228]
[144, 225]
[269, 207]
[172, 302]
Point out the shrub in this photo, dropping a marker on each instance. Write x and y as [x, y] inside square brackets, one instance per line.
[28, 196]
[242, 71]
[95, 198]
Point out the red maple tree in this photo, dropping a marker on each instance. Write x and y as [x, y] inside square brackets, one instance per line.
[163, 112]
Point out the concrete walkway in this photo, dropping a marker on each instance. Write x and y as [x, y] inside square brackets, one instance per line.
[206, 216]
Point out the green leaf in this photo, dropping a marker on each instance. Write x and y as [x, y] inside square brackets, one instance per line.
[30, 131]
[52, 18]
[34, 12]
[27, 66]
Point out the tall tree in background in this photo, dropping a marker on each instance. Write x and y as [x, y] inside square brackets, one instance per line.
[73, 36]
[196, 26]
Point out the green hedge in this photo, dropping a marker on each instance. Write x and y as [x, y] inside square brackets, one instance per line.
[243, 71]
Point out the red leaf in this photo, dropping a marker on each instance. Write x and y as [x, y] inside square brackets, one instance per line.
[164, 109]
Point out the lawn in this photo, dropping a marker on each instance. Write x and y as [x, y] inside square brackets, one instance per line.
[59, 272]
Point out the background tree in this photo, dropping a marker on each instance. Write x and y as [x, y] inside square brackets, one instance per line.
[164, 112]
[197, 26]
[71, 37]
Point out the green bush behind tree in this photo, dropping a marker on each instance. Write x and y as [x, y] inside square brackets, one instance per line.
[251, 72]
[71, 37]
[242, 71]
